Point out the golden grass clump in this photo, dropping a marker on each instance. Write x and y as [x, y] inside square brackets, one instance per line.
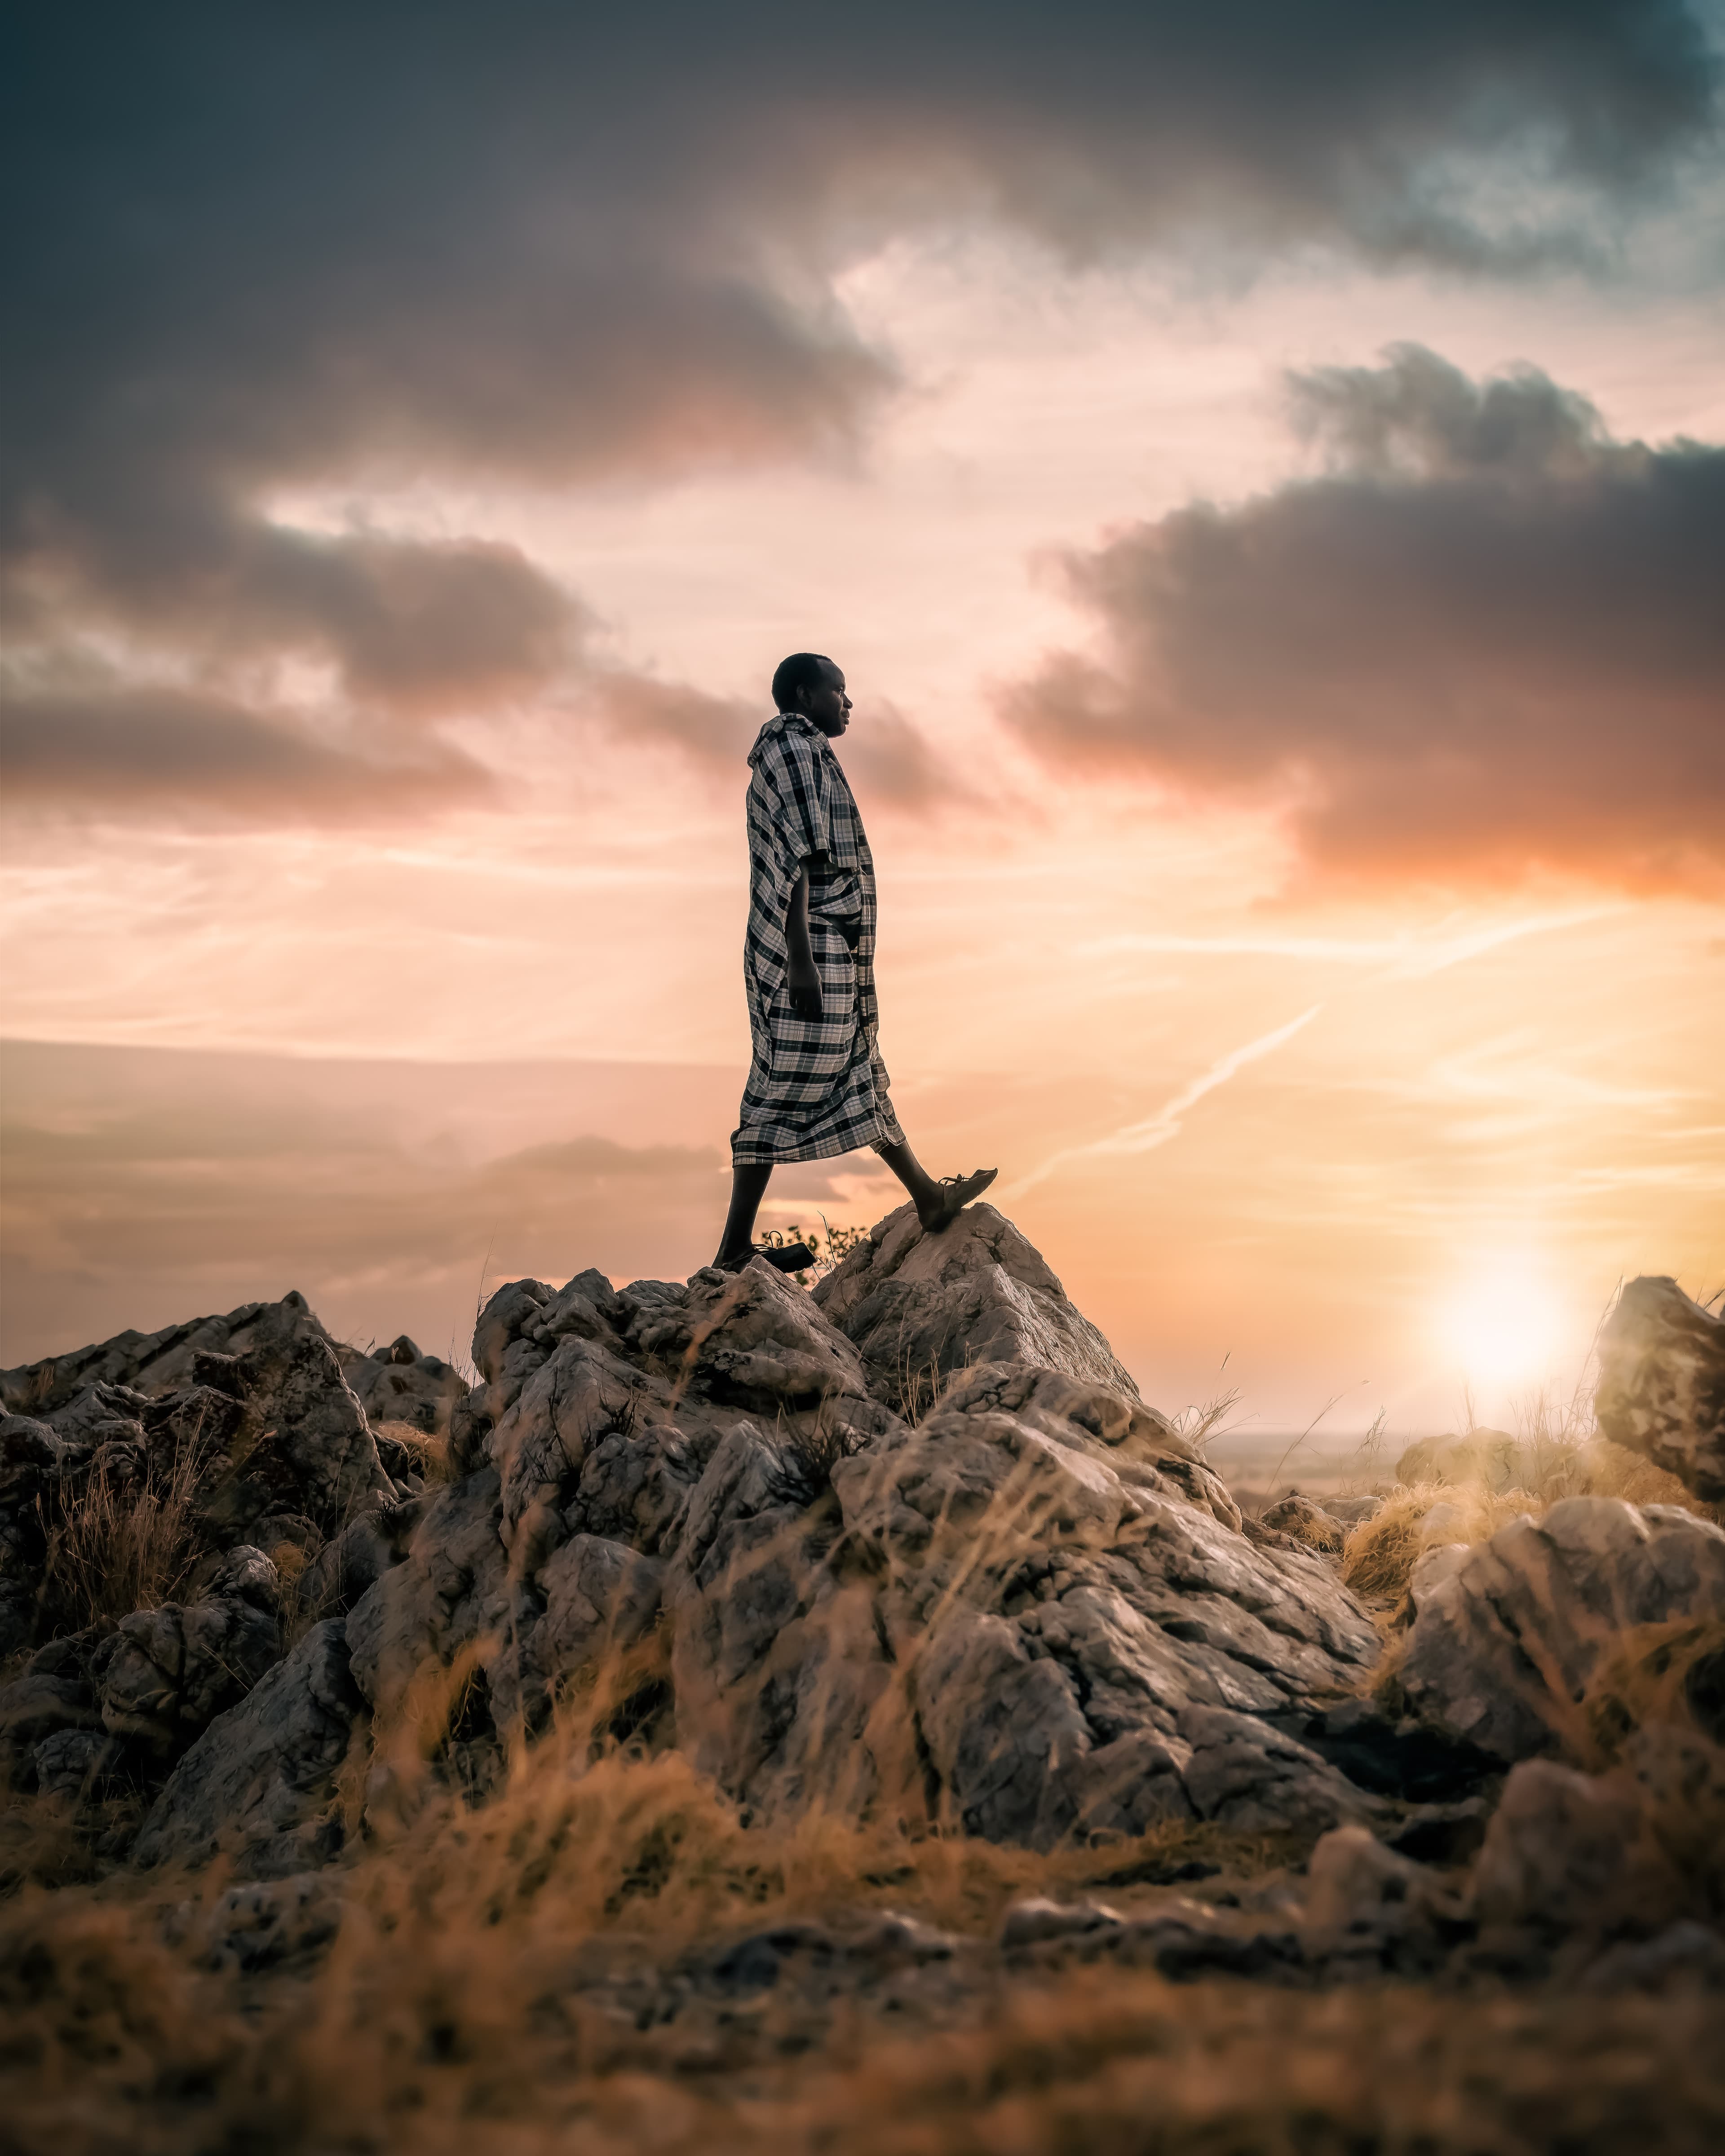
[1379, 1557]
[113, 1547]
[430, 1451]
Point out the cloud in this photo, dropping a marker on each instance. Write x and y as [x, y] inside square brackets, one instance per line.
[1486, 638]
[124, 751]
[889, 760]
[259, 251]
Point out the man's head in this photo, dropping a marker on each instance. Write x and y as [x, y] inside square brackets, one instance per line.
[808, 683]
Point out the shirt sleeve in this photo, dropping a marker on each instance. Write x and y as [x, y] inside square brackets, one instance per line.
[804, 804]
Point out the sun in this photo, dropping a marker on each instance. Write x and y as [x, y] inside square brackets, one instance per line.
[1504, 1324]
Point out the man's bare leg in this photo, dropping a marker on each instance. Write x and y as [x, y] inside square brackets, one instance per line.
[748, 1186]
[937, 1204]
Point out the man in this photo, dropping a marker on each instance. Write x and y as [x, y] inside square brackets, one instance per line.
[817, 1086]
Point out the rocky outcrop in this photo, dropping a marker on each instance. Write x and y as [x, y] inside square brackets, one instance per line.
[236, 1430]
[259, 1787]
[1661, 1388]
[919, 1306]
[1506, 1636]
[910, 1548]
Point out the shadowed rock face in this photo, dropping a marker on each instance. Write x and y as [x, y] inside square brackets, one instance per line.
[1663, 1384]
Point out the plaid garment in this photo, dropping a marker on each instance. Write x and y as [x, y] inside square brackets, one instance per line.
[816, 1088]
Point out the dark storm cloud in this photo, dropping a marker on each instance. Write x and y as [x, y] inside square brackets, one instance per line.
[1488, 637]
[125, 752]
[252, 250]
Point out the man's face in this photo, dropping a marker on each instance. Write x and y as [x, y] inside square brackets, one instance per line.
[828, 705]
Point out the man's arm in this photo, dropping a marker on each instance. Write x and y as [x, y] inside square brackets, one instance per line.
[802, 979]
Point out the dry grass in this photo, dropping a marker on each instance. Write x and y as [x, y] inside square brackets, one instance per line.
[1379, 1557]
[431, 1452]
[113, 1548]
[457, 2009]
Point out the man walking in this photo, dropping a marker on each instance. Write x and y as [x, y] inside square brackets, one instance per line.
[816, 1085]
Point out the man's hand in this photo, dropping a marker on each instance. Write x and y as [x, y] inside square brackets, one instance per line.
[804, 983]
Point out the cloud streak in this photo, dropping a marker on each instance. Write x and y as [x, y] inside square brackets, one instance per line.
[1156, 1130]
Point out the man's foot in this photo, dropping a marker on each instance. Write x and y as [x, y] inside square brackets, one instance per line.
[952, 1193]
[792, 1258]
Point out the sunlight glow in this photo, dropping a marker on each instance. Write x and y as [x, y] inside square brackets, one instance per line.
[1504, 1326]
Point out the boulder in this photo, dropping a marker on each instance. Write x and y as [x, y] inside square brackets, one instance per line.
[1563, 1854]
[1662, 1390]
[259, 1786]
[919, 1307]
[1504, 1639]
[166, 1674]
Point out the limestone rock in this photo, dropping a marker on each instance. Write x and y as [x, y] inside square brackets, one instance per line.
[919, 1306]
[1500, 1650]
[259, 1785]
[1661, 1388]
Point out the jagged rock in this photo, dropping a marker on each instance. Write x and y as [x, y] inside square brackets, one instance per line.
[366, 1548]
[1500, 1651]
[1661, 1388]
[316, 1456]
[166, 1674]
[75, 1762]
[1035, 1612]
[1085, 1646]
[451, 1590]
[402, 1385]
[277, 1448]
[919, 1306]
[259, 1785]
[1306, 1522]
[56, 1691]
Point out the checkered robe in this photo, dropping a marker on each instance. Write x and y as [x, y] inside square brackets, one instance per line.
[816, 1088]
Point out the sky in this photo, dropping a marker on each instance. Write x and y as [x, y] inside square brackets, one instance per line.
[1261, 470]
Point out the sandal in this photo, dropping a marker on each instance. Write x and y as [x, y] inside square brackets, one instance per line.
[956, 1192]
[792, 1258]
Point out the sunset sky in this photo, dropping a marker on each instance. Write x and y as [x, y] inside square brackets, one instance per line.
[1261, 469]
